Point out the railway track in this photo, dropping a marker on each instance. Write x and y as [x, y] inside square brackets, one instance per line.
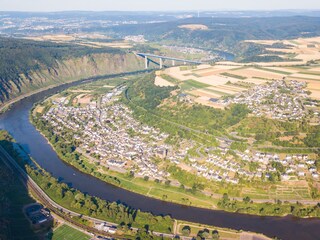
[48, 203]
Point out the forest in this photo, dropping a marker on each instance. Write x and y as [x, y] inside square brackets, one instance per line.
[21, 56]
[223, 33]
[145, 98]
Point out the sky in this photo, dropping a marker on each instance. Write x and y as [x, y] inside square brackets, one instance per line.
[153, 5]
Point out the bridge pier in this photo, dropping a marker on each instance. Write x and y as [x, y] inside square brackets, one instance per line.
[146, 62]
[148, 58]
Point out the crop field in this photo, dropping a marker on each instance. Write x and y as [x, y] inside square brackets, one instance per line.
[205, 82]
[65, 232]
[192, 84]
[159, 81]
[303, 49]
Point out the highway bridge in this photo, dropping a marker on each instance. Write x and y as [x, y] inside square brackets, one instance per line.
[148, 58]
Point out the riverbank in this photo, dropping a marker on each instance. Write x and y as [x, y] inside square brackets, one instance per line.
[58, 192]
[186, 196]
[6, 105]
[16, 121]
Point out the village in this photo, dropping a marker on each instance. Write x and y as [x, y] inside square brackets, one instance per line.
[265, 164]
[109, 135]
[282, 100]
[252, 165]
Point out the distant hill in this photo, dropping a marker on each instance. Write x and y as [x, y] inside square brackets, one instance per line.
[223, 33]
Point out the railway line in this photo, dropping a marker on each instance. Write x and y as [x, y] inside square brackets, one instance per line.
[49, 203]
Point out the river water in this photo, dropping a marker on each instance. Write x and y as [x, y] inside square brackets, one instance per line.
[16, 122]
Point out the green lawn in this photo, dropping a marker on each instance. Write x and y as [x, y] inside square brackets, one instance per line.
[65, 232]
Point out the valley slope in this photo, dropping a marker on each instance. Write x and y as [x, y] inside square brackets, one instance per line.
[27, 66]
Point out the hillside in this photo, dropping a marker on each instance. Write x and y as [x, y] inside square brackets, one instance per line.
[223, 33]
[28, 65]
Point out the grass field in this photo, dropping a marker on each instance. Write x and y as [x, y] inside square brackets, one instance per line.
[273, 70]
[233, 75]
[65, 232]
[192, 84]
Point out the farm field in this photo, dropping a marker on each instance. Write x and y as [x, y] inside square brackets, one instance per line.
[302, 49]
[65, 232]
[206, 83]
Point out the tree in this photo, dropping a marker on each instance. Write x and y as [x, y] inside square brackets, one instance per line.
[167, 182]
[186, 230]
[143, 234]
[215, 235]
[146, 178]
[246, 199]
[225, 197]
[205, 233]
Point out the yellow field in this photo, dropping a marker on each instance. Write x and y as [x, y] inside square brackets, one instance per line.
[304, 49]
[159, 81]
[215, 81]
[205, 82]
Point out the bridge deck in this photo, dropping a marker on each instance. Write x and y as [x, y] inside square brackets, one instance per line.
[167, 58]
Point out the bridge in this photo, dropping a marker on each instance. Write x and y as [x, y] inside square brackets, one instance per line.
[148, 58]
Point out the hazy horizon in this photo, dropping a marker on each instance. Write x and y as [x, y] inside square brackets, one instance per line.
[164, 5]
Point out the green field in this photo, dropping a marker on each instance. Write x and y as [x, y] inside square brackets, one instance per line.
[233, 76]
[65, 232]
[192, 84]
[273, 70]
[169, 78]
[311, 73]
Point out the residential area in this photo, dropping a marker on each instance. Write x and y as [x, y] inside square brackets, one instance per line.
[109, 135]
[280, 99]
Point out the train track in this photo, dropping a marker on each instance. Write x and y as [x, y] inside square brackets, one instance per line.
[47, 202]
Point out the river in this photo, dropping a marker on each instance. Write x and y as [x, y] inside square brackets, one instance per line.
[16, 122]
